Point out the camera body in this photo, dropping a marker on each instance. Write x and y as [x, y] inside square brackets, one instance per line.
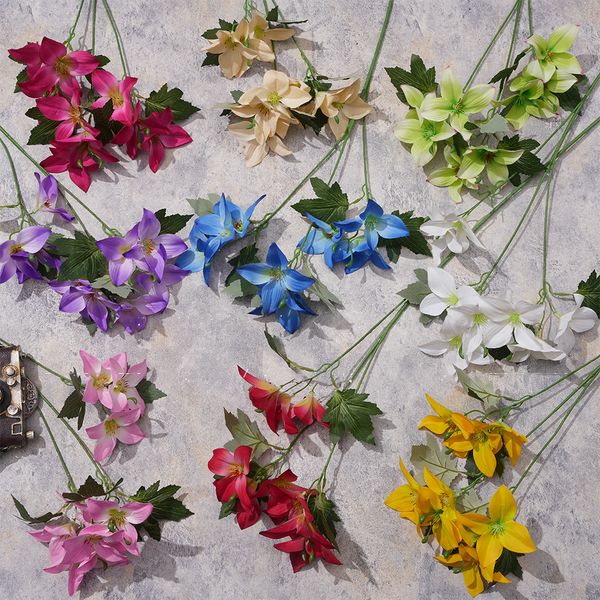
[18, 399]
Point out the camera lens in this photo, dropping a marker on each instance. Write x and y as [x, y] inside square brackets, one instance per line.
[4, 396]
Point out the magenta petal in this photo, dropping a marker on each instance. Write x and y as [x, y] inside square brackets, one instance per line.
[55, 108]
[64, 130]
[85, 62]
[51, 51]
[103, 81]
[157, 153]
[41, 81]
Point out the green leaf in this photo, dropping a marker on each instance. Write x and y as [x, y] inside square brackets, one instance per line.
[315, 122]
[148, 391]
[500, 353]
[104, 60]
[528, 164]
[35, 113]
[273, 14]
[322, 292]
[419, 77]
[504, 74]
[497, 124]
[90, 489]
[33, 520]
[470, 501]
[152, 528]
[508, 563]
[226, 25]
[228, 508]
[330, 205]
[572, 97]
[236, 94]
[43, 133]
[83, 259]
[516, 143]
[164, 98]
[171, 223]
[235, 284]
[201, 206]
[325, 517]
[590, 290]
[21, 77]
[245, 433]
[210, 60]
[415, 241]
[415, 292]
[348, 412]
[166, 507]
[433, 456]
[105, 283]
[74, 408]
[102, 121]
[211, 34]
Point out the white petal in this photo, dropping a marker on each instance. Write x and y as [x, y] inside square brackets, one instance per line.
[432, 305]
[498, 335]
[583, 320]
[531, 314]
[565, 341]
[467, 296]
[440, 282]
[435, 348]
[527, 339]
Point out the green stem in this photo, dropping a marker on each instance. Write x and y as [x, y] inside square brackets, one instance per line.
[70, 481]
[94, 6]
[322, 481]
[63, 378]
[25, 214]
[74, 26]
[530, 17]
[338, 160]
[118, 39]
[365, 154]
[511, 49]
[489, 47]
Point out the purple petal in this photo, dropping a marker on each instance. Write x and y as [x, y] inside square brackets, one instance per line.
[98, 313]
[172, 244]
[113, 247]
[149, 226]
[33, 238]
[61, 212]
[120, 271]
[72, 301]
[7, 270]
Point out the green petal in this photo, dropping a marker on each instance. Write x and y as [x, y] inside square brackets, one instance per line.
[454, 191]
[496, 172]
[560, 82]
[477, 98]
[539, 44]
[444, 131]
[541, 69]
[435, 109]
[562, 38]
[423, 151]
[413, 96]
[507, 157]
[409, 131]
[517, 116]
[450, 86]
[470, 166]
[458, 122]
[443, 177]
[566, 62]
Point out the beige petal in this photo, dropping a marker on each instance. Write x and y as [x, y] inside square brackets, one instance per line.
[277, 146]
[241, 31]
[282, 128]
[276, 81]
[255, 153]
[338, 127]
[250, 96]
[244, 130]
[257, 22]
[243, 111]
[262, 50]
[231, 63]
[356, 109]
[278, 34]
[296, 97]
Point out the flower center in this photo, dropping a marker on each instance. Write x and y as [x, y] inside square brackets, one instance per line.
[455, 342]
[16, 248]
[116, 97]
[338, 105]
[453, 299]
[480, 437]
[94, 539]
[514, 318]
[238, 225]
[116, 516]
[236, 470]
[259, 33]
[74, 114]
[63, 66]
[445, 499]
[428, 131]
[230, 43]
[111, 427]
[121, 386]
[273, 98]
[457, 106]
[149, 246]
[497, 528]
[276, 273]
[479, 319]
[101, 381]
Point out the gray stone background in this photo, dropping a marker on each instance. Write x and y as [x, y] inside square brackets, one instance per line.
[195, 347]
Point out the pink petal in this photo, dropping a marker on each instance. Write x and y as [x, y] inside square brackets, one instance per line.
[90, 395]
[132, 434]
[91, 364]
[137, 373]
[51, 51]
[96, 432]
[103, 81]
[55, 108]
[157, 153]
[85, 62]
[64, 130]
[138, 512]
[104, 448]
[126, 418]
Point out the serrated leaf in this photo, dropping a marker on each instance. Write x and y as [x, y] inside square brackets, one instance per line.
[164, 98]
[470, 501]
[508, 563]
[433, 456]
[152, 527]
[35, 113]
[211, 34]
[273, 14]
[148, 391]
[315, 122]
[74, 408]
[210, 60]
[228, 508]
[516, 143]
[43, 133]
[322, 292]
[590, 290]
[235, 285]
[419, 77]
[504, 74]
[106, 283]
[330, 205]
[528, 164]
[572, 97]
[25, 516]
[166, 507]
[325, 516]
[348, 412]
[201, 206]
[415, 292]
[21, 77]
[83, 258]
[415, 241]
[171, 223]
[90, 489]
[245, 433]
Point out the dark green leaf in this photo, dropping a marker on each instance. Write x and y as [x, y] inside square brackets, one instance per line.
[419, 77]
[152, 528]
[102, 122]
[508, 563]
[211, 34]
[21, 77]
[35, 113]
[244, 289]
[226, 25]
[43, 133]
[572, 97]
[171, 223]
[148, 391]
[83, 258]
[590, 290]
[471, 468]
[90, 489]
[104, 60]
[504, 74]
[415, 242]
[73, 408]
[314, 122]
[236, 95]
[515, 143]
[415, 292]
[330, 205]
[273, 14]
[33, 520]
[166, 507]
[164, 98]
[528, 164]
[210, 60]
[348, 412]
[500, 353]
[228, 508]
[323, 511]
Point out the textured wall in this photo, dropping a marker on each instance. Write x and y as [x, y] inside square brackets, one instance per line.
[195, 347]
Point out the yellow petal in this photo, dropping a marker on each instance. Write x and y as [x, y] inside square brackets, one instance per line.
[489, 549]
[484, 458]
[500, 578]
[463, 423]
[502, 505]
[411, 480]
[446, 533]
[438, 408]
[401, 499]
[435, 424]
[516, 538]
[473, 580]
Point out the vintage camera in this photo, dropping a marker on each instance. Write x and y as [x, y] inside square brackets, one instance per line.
[18, 399]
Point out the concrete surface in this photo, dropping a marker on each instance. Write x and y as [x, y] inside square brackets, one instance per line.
[194, 349]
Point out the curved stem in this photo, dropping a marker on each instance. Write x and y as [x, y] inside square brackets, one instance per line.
[25, 214]
[365, 154]
[74, 26]
[94, 7]
[70, 481]
[118, 39]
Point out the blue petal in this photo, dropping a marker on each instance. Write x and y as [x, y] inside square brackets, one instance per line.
[206, 273]
[372, 209]
[256, 311]
[297, 302]
[256, 273]
[251, 208]
[275, 257]
[371, 237]
[271, 295]
[289, 319]
[221, 208]
[315, 242]
[209, 225]
[212, 247]
[391, 226]
[378, 260]
[321, 224]
[357, 261]
[191, 261]
[350, 225]
[295, 281]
